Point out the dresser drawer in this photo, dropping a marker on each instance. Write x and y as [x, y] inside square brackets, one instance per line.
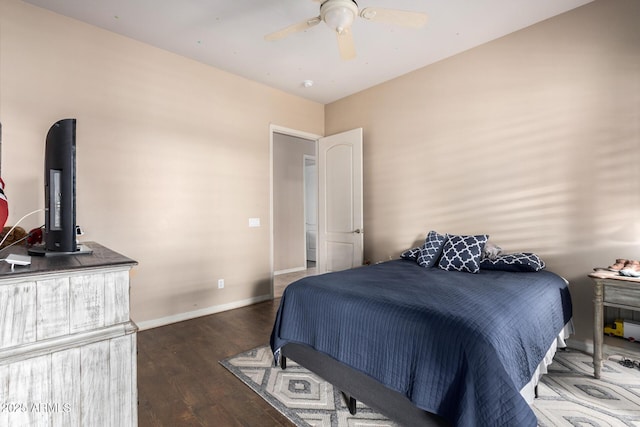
[622, 295]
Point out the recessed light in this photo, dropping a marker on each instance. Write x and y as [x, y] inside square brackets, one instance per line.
[307, 83]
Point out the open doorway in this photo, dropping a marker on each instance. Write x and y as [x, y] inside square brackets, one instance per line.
[294, 201]
[339, 207]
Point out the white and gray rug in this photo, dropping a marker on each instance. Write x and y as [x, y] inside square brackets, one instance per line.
[568, 394]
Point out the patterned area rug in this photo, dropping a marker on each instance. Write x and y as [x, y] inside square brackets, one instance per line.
[568, 394]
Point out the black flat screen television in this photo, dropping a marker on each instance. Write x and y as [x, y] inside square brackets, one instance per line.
[60, 187]
[59, 191]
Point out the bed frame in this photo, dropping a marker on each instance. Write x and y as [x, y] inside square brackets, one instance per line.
[354, 385]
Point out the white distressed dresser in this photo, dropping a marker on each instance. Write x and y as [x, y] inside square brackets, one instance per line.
[67, 343]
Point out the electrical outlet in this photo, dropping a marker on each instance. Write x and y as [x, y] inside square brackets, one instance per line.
[220, 283]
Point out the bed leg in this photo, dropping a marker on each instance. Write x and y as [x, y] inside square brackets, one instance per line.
[351, 403]
[535, 391]
[283, 363]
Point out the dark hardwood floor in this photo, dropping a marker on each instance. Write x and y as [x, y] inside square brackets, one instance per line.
[181, 383]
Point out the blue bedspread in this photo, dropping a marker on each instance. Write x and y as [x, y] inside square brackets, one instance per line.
[456, 344]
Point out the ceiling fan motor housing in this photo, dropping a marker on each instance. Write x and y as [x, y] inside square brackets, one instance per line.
[339, 14]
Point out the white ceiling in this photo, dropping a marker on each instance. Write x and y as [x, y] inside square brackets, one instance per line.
[228, 34]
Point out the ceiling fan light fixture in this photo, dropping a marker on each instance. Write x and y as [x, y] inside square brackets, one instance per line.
[339, 14]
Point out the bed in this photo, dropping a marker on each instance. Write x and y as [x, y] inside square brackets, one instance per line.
[428, 346]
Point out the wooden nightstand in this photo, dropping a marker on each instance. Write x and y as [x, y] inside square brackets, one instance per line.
[612, 290]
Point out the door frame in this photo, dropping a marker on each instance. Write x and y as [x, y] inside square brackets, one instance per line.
[295, 133]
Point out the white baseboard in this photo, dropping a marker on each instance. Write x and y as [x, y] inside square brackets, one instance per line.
[291, 270]
[580, 345]
[163, 321]
[607, 350]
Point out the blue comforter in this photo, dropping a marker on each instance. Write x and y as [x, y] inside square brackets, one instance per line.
[456, 344]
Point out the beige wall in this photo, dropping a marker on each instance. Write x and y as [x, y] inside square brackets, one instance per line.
[288, 201]
[173, 155]
[533, 138]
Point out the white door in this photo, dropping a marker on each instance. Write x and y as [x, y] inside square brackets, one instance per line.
[340, 232]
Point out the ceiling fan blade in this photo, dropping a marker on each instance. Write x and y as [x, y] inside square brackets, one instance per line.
[394, 16]
[301, 26]
[345, 44]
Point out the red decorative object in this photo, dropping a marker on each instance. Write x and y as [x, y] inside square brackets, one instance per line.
[4, 206]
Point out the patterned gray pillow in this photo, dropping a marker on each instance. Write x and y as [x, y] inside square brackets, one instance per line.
[462, 253]
[411, 254]
[431, 249]
[525, 261]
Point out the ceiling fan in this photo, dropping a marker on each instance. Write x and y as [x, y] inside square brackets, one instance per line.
[340, 14]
